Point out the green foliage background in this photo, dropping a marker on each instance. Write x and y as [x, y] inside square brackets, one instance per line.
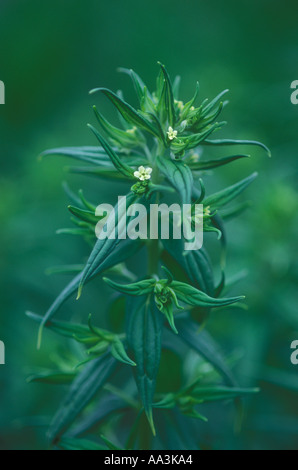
[52, 54]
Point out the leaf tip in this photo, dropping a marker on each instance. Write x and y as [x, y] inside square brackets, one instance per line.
[39, 336]
[151, 422]
[79, 292]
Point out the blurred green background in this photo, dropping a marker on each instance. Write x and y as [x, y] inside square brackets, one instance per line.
[52, 54]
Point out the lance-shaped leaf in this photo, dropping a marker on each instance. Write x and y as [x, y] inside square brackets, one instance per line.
[192, 296]
[83, 333]
[119, 353]
[136, 289]
[208, 107]
[89, 335]
[138, 83]
[218, 393]
[189, 104]
[107, 173]
[124, 250]
[95, 155]
[205, 122]
[167, 97]
[191, 141]
[85, 386]
[221, 142]
[179, 176]
[227, 195]
[53, 378]
[128, 112]
[123, 138]
[144, 336]
[210, 164]
[86, 216]
[104, 248]
[117, 162]
[196, 264]
[201, 342]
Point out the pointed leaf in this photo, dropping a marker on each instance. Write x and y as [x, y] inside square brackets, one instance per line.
[117, 162]
[207, 165]
[144, 335]
[128, 112]
[237, 142]
[179, 176]
[52, 378]
[168, 97]
[82, 391]
[119, 353]
[137, 288]
[227, 195]
[105, 247]
[124, 250]
[192, 296]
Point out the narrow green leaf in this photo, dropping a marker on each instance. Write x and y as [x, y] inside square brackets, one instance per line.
[87, 216]
[124, 250]
[227, 195]
[128, 112]
[192, 296]
[144, 336]
[190, 103]
[168, 97]
[237, 142]
[85, 386]
[212, 103]
[52, 378]
[178, 175]
[196, 264]
[74, 331]
[137, 288]
[169, 314]
[105, 247]
[95, 155]
[219, 393]
[107, 173]
[138, 83]
[119, 353]
[207, 165]
[123, 138]
[119, 164]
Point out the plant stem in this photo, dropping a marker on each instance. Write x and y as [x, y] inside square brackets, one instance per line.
[153, 245]
[153, 257]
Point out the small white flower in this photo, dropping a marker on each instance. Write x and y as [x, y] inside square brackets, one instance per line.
[180, 105]
[194, 158]
[207, 211]
[172, 134]
[131, 131]
[143, 173]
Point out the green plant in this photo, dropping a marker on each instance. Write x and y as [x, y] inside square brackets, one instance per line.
[114, 382]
